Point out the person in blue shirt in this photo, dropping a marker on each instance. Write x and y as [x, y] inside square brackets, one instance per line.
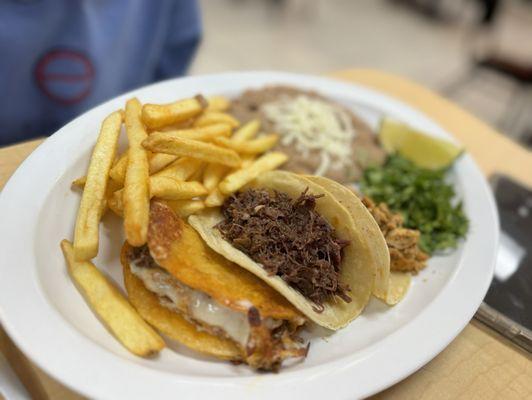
[59, 58]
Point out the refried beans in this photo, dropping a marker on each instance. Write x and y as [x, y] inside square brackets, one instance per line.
[364, 150]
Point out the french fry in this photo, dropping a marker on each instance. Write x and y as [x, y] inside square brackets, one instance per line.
[79, 182]
[118, 172]
[136, 197]
[215, 198]
[181, 169]
[111, 307]
[204, 133]
[184, 208]
[215, 117]
[172, 189]
[112, 187]
[215, 172]
[247, 131]
[114, 202]
[162, 142]
[86, 234]
[174, 127]
[159, 115]
[158, 161]
[247, 160]
[217, 103]
[255, 146]
[232, 182]
[198, 174]
[163, 187]
[212, 175]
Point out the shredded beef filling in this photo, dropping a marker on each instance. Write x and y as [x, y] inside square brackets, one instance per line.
[289, 238]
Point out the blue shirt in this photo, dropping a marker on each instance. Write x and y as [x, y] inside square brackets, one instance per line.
[59, 58]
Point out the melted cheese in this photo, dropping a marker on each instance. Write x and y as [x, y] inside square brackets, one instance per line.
[194, 304]
[312, 124]
[204, 308]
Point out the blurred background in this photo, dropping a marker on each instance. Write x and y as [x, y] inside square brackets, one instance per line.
[452, 46]
[81, 53]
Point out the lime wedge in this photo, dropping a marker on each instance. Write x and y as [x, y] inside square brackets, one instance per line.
[423, 150]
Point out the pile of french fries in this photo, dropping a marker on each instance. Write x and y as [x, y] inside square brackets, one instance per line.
[190, 154]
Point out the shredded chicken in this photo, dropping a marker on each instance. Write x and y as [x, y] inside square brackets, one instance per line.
[405, 254]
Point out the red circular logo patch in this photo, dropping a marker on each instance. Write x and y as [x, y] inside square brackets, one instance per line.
[65, 76]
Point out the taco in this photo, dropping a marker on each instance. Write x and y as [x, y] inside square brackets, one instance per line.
[389, 286]
[295, 235]
[195, 296]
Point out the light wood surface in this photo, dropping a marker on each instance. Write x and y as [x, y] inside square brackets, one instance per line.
[12, 156]
[479, 363]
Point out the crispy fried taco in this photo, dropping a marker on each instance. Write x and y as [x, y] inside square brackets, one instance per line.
[195, 296]
[296, 236]
[389, 286]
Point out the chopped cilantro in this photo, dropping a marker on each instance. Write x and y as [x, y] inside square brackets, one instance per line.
[424, 199]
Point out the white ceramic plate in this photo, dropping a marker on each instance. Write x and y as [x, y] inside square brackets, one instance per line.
[44, 314]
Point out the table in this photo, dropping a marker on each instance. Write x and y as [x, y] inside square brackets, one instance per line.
[479, 363]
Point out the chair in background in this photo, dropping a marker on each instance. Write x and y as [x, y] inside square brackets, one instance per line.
[508, 67]
[518, 72]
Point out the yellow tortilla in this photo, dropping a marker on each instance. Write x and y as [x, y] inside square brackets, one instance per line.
[399, 285]
[357, 264]
[178, 248]
[389, 287]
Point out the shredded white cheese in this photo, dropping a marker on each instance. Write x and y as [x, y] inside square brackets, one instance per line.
[312, 124]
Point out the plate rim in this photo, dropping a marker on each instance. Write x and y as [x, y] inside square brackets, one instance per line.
[338, 372]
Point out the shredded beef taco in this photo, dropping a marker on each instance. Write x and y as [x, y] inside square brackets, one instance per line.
[293, 234]
[389, 286]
